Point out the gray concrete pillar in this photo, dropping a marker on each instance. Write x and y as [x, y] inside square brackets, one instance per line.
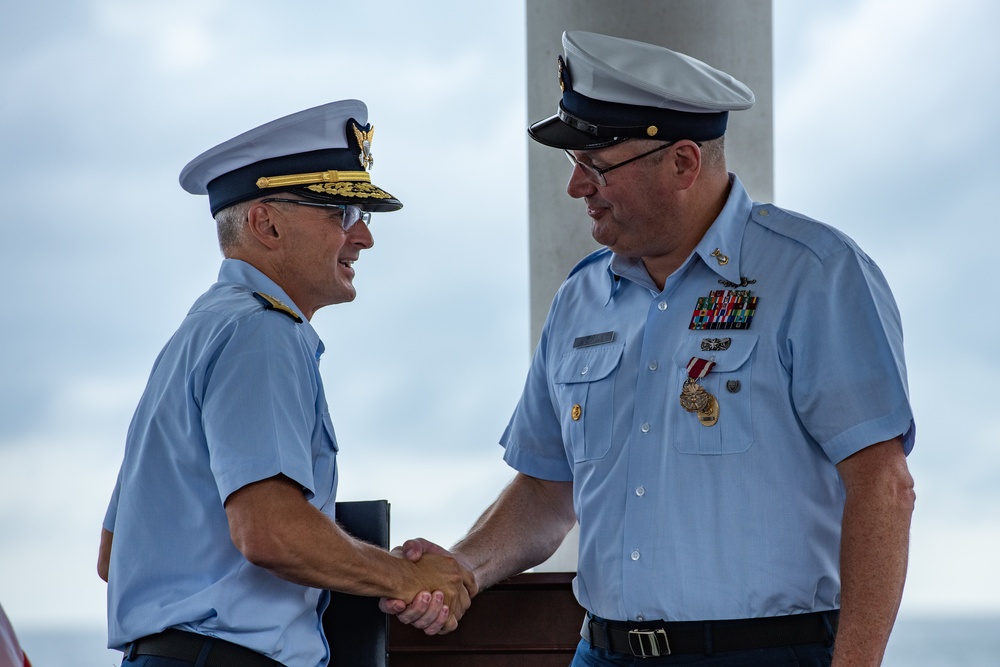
[731, 35]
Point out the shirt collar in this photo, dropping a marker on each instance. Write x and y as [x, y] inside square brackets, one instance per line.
[719, 248]
[243, 273]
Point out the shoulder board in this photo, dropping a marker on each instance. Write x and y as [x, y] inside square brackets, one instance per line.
[270, 303]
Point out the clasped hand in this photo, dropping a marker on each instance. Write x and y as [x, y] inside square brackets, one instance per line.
[433, 611]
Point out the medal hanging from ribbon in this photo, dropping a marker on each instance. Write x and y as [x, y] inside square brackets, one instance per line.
[694, 397]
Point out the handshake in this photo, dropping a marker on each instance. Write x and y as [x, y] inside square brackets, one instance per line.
[444, 588]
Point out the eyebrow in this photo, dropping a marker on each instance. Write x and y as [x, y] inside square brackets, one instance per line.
[588, 157]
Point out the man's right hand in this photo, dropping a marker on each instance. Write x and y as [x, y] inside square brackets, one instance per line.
[433, 613]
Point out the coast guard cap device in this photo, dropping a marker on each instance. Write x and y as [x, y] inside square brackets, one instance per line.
[323, 154]
[615, 89]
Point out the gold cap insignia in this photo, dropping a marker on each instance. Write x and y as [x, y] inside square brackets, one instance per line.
[563, 74]
[364, 137]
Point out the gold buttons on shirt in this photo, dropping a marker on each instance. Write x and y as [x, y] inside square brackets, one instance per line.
[577, 412]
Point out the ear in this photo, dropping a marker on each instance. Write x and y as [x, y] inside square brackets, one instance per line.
[263, 226]
[686, 164]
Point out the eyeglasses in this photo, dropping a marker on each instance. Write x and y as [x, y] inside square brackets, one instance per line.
[596, 174]
[349, 214]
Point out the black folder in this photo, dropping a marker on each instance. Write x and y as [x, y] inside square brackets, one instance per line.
[355, 627]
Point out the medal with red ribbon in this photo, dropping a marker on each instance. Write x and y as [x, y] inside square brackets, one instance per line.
[694, 397]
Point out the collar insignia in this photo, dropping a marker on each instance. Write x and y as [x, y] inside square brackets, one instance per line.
[719, 257]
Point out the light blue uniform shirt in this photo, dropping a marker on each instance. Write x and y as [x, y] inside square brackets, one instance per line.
[681, 521]
[235, 397]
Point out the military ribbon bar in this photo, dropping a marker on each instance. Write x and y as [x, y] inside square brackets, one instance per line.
[724, 309]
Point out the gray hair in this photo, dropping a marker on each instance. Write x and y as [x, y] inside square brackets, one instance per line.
[713, 153]
[230, 224]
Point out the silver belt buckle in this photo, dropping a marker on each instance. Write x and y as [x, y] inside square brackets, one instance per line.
[648, 643]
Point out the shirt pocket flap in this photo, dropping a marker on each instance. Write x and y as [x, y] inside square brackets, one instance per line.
[588, 364]
[734, 356]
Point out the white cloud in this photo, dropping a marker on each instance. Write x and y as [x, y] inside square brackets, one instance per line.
[177, 35]
[947, 573]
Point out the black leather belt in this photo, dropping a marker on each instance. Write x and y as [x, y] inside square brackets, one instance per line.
[181, 645]
[659, 638]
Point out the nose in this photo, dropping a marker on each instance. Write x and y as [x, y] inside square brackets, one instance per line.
[361, 235]
[579, 185]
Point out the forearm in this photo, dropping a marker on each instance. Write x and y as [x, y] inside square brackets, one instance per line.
[274, 527]
[522, 528]
[873, 561]
[313, 551]
[104, 554]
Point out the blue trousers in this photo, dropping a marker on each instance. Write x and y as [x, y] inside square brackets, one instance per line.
[801, 655]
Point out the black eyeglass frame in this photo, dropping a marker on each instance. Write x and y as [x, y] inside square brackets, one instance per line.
[596, 174]
[346, 221]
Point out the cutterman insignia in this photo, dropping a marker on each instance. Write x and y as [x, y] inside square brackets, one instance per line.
[715, 344]
[744, 281]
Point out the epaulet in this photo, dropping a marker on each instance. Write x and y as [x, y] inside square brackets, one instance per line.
[270, 303]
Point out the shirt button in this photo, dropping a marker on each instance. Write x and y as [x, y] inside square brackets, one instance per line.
[584, 370]
[644, 428]
[640, 618]
[635, 555]
[653, 365]
[640, 491]
[662, 305]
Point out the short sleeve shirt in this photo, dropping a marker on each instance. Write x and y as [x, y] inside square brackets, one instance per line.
[685, 520]
[235, 397]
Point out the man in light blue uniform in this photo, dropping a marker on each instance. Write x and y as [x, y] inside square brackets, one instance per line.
[222, 520]
[719, 398]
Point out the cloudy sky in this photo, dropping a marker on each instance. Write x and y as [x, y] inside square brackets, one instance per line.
[884, 127]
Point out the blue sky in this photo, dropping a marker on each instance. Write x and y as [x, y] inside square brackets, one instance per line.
[883, 127]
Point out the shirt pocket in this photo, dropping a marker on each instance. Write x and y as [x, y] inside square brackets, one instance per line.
[730, 382]
[325, 468]
[584, 382]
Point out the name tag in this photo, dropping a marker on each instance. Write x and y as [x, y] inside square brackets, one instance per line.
[594, 339]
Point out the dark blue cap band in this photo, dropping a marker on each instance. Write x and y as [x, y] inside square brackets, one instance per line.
[607, 120]
[584, 123]
[241, 184]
